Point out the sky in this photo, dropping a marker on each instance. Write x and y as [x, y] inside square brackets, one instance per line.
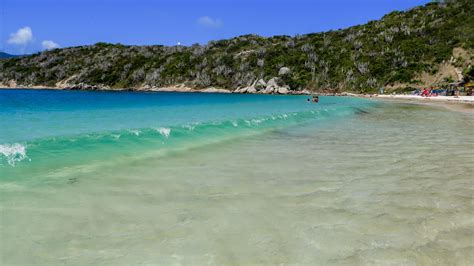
[28, 26]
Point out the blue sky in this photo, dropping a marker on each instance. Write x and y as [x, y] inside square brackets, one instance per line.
[28, 26]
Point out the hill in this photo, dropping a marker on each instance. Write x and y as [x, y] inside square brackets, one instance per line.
[423, 46]
[5, 55]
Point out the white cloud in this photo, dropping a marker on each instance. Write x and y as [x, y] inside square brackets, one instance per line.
[21, 37]
[49, 45]
[210, 22]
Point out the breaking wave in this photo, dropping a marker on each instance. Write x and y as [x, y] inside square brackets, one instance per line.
[13, 153]
[164, 131]
[134, 141]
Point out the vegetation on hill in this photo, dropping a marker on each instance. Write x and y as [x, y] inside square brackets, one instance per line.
[396, 49]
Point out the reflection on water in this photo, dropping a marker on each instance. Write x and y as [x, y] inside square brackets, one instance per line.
[393, 186]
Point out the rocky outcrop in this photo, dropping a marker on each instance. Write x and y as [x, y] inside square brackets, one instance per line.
[251, 90]
[83, 86]
[272, 83]
[269, 90]
[215, 90]
[282, 90]
[284, 71]
[260, 84]
[276, 85]
[304, 92]
[176, 88]
[273, 86]
[8, 84]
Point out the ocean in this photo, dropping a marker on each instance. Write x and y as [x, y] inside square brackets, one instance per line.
[126, 178]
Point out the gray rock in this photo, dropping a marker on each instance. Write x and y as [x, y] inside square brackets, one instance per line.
[269, 90]
[260, 84]
[274, 86]
[251, 90]
[272, 83]
[283, 90]
[241, 90]
[215, 90]
[284, 71]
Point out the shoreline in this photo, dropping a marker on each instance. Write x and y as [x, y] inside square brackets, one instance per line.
[459, 99]
[449, 102]
[175, 88]
[464, 104]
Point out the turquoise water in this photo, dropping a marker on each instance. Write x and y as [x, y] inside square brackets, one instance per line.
[167, 178]
[45, 130]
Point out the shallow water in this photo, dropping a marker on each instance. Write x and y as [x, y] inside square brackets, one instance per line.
[357, 183]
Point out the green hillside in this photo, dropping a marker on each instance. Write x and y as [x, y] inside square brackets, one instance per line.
[418, 46]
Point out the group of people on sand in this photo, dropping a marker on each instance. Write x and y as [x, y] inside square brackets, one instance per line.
[314, 99]
[428, 92]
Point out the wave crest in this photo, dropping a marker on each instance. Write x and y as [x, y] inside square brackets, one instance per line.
[156, 138]
[164, 131]
[13, 153]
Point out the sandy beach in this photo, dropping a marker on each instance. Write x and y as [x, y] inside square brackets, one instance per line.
[463, 104]
[461, 99]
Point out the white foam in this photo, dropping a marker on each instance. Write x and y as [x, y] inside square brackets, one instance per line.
[164, 131]
[13, 152]
[135, 132]
[189, 127]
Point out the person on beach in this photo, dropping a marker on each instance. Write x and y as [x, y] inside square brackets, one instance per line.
[424, 93]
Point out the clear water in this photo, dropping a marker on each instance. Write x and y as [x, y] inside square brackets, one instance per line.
[166, 178]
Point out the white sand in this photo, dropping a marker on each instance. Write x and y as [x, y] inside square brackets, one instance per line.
[463, 99]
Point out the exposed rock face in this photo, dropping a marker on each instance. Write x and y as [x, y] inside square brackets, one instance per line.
[284, 71]
[66, 83]
[282, 90]
[305, 91]
[12, 83]
[273, 86]
[272, 83]
[268, 90]
[83, 86]
[178, 88]
[251, 90]
[215, 90]
[241, 90]
[260, 84]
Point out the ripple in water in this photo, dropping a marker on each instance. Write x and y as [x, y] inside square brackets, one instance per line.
[384, 188]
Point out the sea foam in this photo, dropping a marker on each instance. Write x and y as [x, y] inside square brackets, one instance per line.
[13, 153]
[135, 132]
[164, 131]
